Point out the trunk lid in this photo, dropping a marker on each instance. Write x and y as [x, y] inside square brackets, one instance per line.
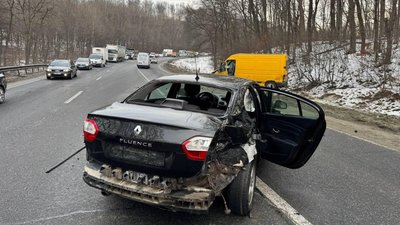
[149, 139]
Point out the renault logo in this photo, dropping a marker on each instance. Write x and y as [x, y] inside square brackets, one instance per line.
[137, 130]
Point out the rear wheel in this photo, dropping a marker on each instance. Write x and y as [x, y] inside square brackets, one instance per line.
[2, 95]
[270, 84]
[241, 191]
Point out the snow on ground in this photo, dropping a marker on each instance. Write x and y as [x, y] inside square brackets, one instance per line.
[204, 64]
[349, 80]
[337, 78]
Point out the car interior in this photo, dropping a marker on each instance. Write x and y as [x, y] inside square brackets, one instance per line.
[184, 96]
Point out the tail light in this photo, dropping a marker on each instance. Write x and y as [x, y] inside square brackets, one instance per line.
[90, 130]
[196, 148]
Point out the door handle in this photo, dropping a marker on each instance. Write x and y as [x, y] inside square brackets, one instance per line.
[276, 131]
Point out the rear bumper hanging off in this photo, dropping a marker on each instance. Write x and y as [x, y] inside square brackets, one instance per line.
[193, 200]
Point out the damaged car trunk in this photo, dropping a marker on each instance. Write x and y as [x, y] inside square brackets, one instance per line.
[178, 142]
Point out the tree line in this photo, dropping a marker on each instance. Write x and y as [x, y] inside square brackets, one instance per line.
[33, 31]
[230, 26]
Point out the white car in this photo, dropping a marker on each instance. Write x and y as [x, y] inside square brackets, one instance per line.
[97, 60]
[153, 59]
[143, 60]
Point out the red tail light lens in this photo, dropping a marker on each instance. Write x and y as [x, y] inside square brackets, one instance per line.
[90, 130]
[196, 148]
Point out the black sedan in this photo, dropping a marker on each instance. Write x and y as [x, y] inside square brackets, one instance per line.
[3, 88]
[61, 68]
[180, 141]
[84, 63]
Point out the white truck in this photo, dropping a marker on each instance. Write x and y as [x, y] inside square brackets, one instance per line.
[116, 53]
[167, 52]
[99, 56]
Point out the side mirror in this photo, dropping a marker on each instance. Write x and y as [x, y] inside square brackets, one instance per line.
[236, 134]
[280, 105]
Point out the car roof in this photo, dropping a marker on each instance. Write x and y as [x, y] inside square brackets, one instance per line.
[211, 80]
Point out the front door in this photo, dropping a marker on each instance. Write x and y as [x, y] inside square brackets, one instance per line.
[291, 127]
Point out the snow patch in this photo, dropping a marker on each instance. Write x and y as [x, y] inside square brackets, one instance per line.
[204, 64]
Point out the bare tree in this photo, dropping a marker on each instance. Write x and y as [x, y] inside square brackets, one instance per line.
[389, 33]
[361, 25]
[352, 25]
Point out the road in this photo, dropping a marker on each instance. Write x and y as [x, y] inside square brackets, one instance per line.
[347, 181]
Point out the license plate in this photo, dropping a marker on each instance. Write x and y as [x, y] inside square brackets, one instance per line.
[136, 156]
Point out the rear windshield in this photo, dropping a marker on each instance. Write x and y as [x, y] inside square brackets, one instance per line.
[95, 56]
[143, 56]
[183, 96]
[82, 60]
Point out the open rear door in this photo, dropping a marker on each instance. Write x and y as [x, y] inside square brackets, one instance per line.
[291, 128]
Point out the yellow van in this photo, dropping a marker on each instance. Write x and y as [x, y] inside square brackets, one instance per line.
[267, 70]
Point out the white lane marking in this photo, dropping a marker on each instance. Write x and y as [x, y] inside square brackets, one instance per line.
[108, 71]
[363, 139]
[279, 203]
[73, 97]
[143, 75]
[61, 216]
[99, 78]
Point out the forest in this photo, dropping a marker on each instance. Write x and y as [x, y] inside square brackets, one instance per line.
[34, 31]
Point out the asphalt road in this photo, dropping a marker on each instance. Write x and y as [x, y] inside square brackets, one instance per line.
[347, 181]
[38, 130]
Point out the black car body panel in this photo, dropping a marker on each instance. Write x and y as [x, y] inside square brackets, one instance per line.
[3, 86]
[138, 151]
[157, 148]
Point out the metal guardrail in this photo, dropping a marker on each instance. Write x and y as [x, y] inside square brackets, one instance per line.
[27, 68]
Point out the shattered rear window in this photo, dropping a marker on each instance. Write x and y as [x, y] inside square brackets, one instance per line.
[183, 96]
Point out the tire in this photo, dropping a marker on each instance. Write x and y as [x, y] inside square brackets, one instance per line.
[240, 192]
[48, 78]
[271, 84]
[2, 95]
[69, 76]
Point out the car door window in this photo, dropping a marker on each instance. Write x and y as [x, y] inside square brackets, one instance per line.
[231, 65]
[308, 111]
[285, 105]
[281, 104]
[160, 92]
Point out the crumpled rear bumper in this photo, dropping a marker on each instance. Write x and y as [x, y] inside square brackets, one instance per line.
[193, 200]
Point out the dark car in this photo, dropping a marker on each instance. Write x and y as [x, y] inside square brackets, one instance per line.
[61, 68]
[3, 87]
[180, 141]
[84, 63]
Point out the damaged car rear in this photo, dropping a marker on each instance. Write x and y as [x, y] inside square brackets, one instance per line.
[180, 141]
